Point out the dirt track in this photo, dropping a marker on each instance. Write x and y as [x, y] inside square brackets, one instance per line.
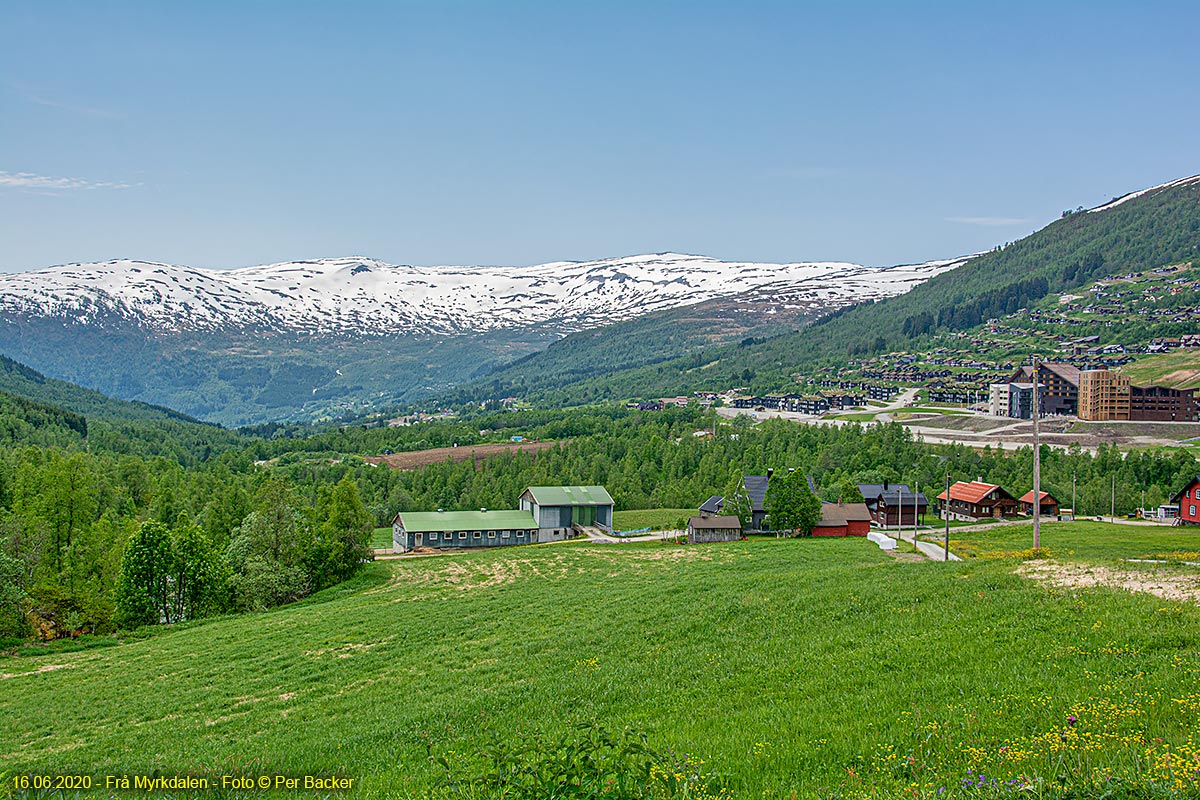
[438, 455]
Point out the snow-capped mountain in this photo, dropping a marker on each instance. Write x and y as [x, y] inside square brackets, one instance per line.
[367, 297]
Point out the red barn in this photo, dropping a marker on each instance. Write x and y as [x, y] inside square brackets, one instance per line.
[843, 519]
[1189, 502]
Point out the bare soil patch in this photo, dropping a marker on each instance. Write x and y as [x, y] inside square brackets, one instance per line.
[906, 556]
[1185, 588]
[439, 455]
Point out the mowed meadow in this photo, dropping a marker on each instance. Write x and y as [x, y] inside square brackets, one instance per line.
[767, 668]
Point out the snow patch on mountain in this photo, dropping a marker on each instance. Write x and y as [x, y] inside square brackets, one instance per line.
[365, 296]
[1132, 195]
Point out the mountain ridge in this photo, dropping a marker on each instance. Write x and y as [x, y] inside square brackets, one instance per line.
[363, 296]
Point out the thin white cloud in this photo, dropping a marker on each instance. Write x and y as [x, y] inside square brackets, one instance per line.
[34, 95]
[991, 222]
[28, 180]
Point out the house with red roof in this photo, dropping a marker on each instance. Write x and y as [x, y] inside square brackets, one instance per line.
[977, 500]
[1049, 505]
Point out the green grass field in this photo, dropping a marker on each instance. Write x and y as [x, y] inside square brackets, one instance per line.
[858, 416]
[1093, 542]
[381, 537]
[662, 519]
[1180, 369]
[791, 668]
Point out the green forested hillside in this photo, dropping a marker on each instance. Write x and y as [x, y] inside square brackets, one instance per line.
[648, 340]
[69, 414]
[240, 378]
[1146, 232]
[25, 381]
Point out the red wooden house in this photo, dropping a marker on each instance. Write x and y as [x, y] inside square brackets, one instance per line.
[1049, 505]
[843, 519]
[976, 500]
[1189, 502]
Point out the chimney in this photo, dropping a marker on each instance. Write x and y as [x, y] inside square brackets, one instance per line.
[885, 485]
[770, 472]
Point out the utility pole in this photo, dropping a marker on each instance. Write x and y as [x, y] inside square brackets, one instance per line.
[1037, 464]
[1074, 508]
[946, 513]
[1113, 510]
[916, 493]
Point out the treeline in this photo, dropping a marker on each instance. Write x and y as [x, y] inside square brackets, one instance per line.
[92, 542]
[657, 460]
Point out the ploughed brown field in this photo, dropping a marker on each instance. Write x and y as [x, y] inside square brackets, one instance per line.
[423, 458]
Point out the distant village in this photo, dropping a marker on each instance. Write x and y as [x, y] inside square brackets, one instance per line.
[558, 513]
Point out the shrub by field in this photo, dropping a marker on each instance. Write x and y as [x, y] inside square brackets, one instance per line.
[772, 668]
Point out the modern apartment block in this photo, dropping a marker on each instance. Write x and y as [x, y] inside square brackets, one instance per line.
[1103, 395]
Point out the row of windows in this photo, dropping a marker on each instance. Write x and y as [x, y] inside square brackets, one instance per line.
[462, 535]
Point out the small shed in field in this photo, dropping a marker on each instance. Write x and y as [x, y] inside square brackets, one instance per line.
[843, 519]
[704, 528]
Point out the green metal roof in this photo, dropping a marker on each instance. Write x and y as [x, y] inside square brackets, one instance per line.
[570, 495]
[419, 521]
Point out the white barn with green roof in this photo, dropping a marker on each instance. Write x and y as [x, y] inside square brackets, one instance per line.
[557, 509]
[455, 529]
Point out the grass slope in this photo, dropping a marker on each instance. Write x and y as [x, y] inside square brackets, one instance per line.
[1180, 370]
[662, 519]
[793, 668]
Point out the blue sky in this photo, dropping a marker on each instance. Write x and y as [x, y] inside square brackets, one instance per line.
[223, 134]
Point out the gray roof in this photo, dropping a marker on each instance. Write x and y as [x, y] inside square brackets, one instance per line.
[704, 522]
[756, 487]
[1068, 372]
[838, 513]
[712, 505]
[872, 490]
[906, 498]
